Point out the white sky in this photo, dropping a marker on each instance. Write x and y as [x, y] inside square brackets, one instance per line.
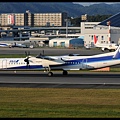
[90, 3]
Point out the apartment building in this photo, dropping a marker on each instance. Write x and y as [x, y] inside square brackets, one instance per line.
[19, 19]
[33, 19]
[49, 19]
[6, 19]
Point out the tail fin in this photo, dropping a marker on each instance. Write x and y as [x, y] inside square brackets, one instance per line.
[117, 53]
[95, 39]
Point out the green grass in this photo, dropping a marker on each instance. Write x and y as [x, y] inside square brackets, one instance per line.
[59, 103]
[12, 56]
[115, 69]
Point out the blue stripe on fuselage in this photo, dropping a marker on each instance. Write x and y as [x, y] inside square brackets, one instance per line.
[69, 62]
[3, 44]
[24, 67]
[84, 60]
[94, 59]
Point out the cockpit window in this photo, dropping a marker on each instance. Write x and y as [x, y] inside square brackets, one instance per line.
[74, 54]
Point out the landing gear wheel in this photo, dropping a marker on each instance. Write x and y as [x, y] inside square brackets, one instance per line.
[65, 72]
[50, 74]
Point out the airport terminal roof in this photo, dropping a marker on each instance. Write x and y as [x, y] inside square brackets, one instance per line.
[114, 21]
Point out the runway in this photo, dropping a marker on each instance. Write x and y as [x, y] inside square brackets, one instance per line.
[72, 80]
[50, 51]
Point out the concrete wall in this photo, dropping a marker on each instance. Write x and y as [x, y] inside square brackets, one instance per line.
[59, 40]
[88, 38]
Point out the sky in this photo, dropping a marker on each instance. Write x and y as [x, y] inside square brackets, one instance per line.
[90, 3]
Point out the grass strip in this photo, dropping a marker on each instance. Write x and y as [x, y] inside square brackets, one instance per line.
[59, 103]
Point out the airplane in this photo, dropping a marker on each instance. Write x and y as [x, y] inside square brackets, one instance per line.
[5, 45]
[12, 45]
[64, 63]
[109, 46]
[19, 45]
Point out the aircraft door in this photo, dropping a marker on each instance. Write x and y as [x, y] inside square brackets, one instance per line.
[4, 64]
[84, 63]
[45, 64]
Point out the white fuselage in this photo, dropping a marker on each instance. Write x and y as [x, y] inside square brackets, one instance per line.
[110, 46]
[34, 63]
[5, 45]
[84, 62]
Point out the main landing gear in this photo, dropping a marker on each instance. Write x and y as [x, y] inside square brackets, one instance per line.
[65, 72]
[48, 70]
[51, 73]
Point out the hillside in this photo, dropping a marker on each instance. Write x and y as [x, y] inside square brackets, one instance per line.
[73, 10]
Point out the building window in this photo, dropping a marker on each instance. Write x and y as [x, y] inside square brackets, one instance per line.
[92, 37]
[97, 37]
[54, 44]
[62, 44]
[102, 37]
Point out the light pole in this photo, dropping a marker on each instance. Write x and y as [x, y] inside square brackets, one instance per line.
[108, 23]
[66, 20]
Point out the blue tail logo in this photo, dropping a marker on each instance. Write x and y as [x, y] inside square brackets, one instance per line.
[117, 53]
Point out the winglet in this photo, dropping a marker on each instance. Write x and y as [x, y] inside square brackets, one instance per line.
[117, 53]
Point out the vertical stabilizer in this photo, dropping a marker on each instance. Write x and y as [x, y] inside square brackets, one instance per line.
[117, 53]
[95, 39]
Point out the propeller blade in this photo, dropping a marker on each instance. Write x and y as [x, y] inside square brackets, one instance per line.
[27, 62]
[26, 53]
[43, 52]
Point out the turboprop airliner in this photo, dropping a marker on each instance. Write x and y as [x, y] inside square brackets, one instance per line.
[64, 63]
[109, 46]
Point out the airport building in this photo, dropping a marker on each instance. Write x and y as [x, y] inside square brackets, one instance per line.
[107, 31]
[66, 42]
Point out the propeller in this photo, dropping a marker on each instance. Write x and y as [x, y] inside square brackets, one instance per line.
[27, 53]
[27, 61]
[40, 55]
[27, 58]
[43, 52]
